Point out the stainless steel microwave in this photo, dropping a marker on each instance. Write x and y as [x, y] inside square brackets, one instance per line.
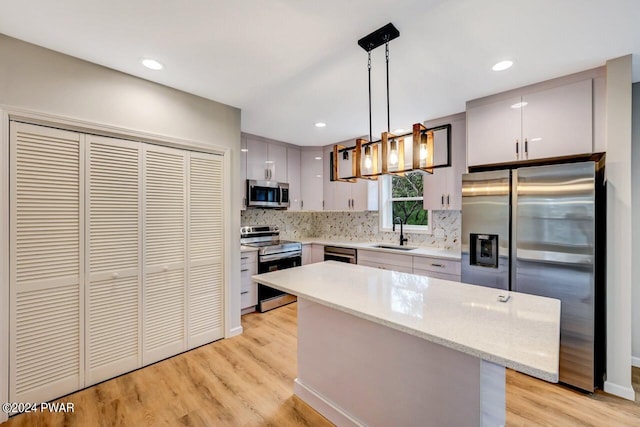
[267, 194]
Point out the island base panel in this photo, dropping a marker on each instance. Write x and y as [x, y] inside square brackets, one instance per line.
[357, 372]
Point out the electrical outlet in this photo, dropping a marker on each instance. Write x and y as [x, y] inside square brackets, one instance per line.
[439, 232]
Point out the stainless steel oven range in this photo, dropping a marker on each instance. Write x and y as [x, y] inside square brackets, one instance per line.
[273, 254]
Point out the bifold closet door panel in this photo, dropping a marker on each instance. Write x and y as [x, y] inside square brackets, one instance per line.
[46, 272]
[164, 237]
[113, 257]
[205, 250]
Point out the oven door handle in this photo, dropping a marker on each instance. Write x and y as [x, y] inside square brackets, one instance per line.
[278, 257]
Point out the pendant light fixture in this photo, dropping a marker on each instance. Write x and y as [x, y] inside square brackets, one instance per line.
[370, 158]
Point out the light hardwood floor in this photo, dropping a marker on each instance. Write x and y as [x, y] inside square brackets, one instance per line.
[248, 381]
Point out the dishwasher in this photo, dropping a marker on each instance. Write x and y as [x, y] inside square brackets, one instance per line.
[335, 253]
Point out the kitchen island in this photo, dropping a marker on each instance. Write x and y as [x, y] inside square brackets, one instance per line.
[379, 347]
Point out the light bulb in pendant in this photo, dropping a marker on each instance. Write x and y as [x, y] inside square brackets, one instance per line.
[367, 157]
[393, 153]
[423, 151]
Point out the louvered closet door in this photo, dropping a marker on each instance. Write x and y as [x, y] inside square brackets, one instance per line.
[164, 283]
[114, 239]
[46, 277]
[205, 278]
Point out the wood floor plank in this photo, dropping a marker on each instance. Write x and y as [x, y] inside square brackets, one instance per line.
[248, 381]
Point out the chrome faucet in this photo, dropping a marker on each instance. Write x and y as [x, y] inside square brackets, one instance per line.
[399, 221]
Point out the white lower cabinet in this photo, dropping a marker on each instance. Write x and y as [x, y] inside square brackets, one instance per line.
[317, 253]
[306, 254]
[77, 241]
[437, 268]
[386, 261]
[423, 266]
[248, 288]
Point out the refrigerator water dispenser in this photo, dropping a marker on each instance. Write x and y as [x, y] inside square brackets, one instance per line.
[484, 250]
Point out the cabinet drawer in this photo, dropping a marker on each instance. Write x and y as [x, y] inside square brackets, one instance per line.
[397, 260]
[437, 275]
[386, 266]
[437, 265]
[249, 296]
[248, 258]
[247, 270]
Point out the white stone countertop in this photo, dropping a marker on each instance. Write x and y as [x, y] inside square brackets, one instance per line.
[425, 251]
[522, 333]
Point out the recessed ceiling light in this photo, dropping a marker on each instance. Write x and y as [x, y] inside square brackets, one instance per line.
[244, 150]
[502, 65]
[397, 131]
[152, 64]
[318, 158]
[320, 124]
[520, 104]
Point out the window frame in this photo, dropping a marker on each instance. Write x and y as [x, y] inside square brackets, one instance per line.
[386, 209]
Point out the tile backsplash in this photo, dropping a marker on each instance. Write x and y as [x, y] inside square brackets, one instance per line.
[354, 226]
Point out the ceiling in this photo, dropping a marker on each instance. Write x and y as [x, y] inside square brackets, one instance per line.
[290, 63]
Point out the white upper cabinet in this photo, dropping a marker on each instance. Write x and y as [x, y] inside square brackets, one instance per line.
[532, 125]
[558, 121]
[293, 178]
[277, 162]
[347, 196]
[443, 189]
[493, 130]
[256, 158]
[265, 161]
[311, 180]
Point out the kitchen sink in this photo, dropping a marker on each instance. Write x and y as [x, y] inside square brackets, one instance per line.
[395, 247]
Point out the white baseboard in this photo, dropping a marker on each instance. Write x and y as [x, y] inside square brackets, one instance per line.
[635, 361]
[620, 391]
[324, 406]
[235, 332]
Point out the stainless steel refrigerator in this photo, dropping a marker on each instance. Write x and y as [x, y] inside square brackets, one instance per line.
[541, 230]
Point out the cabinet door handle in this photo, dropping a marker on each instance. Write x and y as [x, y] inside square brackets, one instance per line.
[301, 204]
[244, 257]
[448, 203]
[526, 148]
[442, 200]
[245, 292]
[437, 265]
[243, 270]
[517, 149]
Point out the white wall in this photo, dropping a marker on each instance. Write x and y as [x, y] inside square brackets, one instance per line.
[618, 170]
[43, 81]
[635, 196]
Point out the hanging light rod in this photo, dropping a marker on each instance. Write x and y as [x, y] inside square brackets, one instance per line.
[379, 37]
